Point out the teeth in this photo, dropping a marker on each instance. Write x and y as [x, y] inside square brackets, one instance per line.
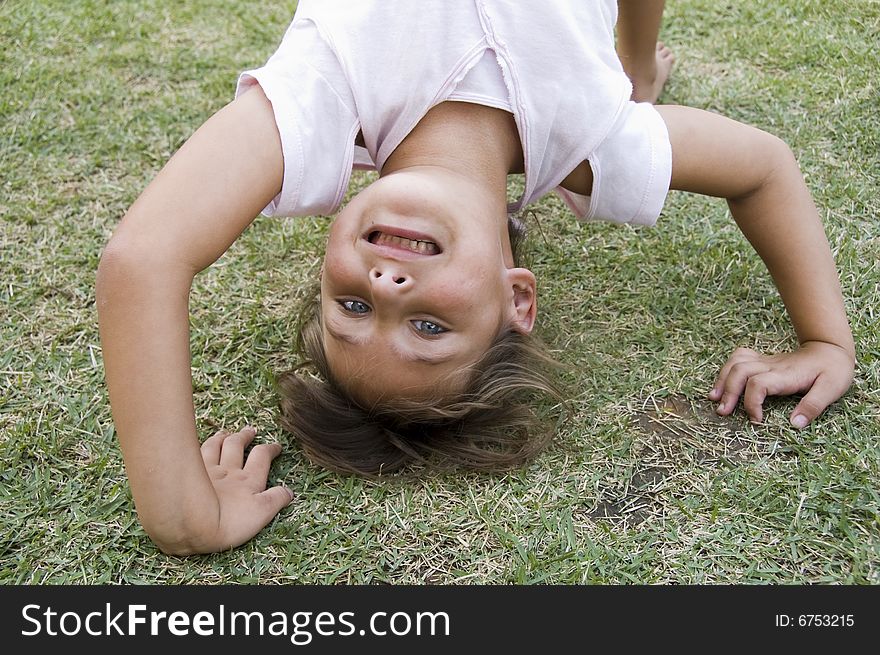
[421, 247]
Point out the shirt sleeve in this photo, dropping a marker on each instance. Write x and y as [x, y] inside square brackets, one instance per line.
[314, 116]
[632, 169]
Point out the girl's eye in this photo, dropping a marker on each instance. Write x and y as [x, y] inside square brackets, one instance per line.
[355, 306]
[429, 328]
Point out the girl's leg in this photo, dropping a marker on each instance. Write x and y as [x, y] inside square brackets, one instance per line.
[646, 60]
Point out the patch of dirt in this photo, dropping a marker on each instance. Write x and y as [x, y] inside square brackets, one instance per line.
[679, 433]
[631, 510]
[694, 427]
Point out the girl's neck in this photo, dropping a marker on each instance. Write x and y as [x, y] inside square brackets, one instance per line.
[474, 140]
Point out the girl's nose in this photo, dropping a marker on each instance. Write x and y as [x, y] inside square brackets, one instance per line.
[389, 280]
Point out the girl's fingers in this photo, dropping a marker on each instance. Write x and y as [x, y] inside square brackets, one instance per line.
[232, 451]
[735, 383]
[823, 392]
[770, 383]
[260, 459]
[738, 356]
[212, 446]
[273, 500]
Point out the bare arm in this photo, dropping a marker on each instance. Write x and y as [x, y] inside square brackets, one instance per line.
[194, 209]
[771, 204]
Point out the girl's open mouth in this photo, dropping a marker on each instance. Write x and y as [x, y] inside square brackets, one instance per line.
[421, 246]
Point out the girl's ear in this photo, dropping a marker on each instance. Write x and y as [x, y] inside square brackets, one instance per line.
[525, 302]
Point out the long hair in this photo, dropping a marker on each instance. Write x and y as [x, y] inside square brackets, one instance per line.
[494, 424]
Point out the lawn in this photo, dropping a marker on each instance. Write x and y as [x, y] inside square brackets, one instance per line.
[644, 484]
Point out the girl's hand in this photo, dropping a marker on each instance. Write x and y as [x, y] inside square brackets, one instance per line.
[822, 371]
[245, 505]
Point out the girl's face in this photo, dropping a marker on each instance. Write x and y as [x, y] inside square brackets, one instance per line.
[416, 284]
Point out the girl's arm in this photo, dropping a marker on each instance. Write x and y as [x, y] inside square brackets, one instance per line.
[189, 499]
[771, 204]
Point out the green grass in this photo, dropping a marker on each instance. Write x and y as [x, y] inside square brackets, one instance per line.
[643, 485]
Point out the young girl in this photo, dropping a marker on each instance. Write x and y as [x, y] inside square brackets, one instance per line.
[422, 327]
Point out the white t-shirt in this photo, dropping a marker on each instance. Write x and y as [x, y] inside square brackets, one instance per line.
[378, 66]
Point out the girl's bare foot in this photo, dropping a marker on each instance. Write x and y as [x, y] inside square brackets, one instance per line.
[647, 87]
